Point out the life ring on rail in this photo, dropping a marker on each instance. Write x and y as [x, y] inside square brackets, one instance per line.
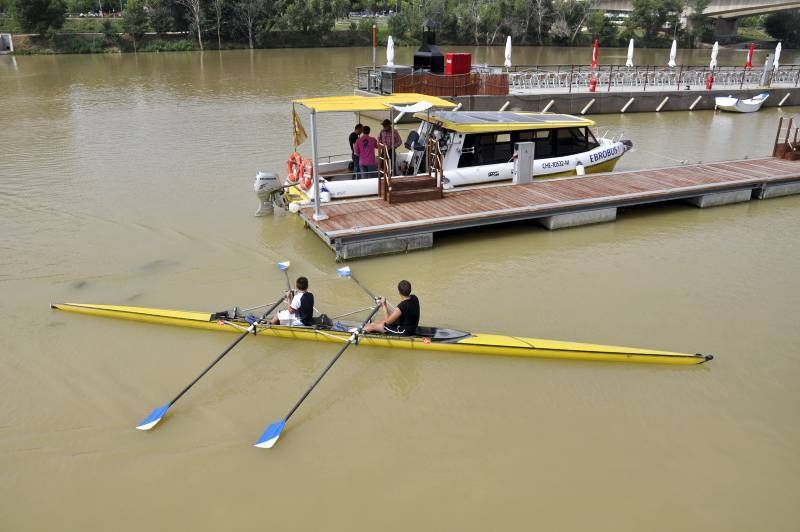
[306, 174]
[293, 165]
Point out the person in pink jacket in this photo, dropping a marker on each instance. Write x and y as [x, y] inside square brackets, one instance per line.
[365, 149]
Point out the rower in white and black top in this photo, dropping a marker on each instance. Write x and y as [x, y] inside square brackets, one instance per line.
[403, 320]
[300, 307]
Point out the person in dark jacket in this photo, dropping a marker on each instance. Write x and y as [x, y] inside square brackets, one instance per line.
[352, 140]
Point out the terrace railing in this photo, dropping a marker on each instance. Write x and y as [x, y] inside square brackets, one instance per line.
[611, 78]
[496, 80]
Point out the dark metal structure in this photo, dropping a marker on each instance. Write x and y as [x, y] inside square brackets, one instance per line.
[429, 57]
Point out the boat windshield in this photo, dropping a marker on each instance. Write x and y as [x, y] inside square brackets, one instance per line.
[495, 148]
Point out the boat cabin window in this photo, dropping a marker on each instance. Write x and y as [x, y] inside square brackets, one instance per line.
[486, 148]
[573, 140]
[496, 148]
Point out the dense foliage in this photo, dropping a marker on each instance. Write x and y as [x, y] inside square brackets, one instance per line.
[39, 16]
[134, 20]
[266, 23]
[784, 26]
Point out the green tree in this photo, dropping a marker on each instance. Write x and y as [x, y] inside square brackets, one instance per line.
[602, 29]
[498, 19]
[135, 20]
[196, 16]
[699, 24]
[218, 7]
[39, 16]
[651, 17]
[161, 18]
[81, 6]
[247, 13]
[313, 17]
[784, 26]
[109, 31]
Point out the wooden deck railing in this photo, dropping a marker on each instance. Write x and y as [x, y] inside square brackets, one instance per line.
[402, 188]
[384, 172]
[435, 161]
[789, 148]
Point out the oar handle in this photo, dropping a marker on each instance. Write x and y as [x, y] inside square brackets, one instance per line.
[349, 342]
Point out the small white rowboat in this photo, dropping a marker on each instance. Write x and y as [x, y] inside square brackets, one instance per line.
[736, 105]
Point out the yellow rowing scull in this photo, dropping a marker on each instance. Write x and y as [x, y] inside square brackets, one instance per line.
[430, 339]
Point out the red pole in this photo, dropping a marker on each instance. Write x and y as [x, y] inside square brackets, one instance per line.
[374, 42]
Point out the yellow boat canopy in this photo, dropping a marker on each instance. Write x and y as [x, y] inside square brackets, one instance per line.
[338, 104]
[500, 121]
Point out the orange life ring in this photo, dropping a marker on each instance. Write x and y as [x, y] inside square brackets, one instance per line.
[293, 165]
[306, 174]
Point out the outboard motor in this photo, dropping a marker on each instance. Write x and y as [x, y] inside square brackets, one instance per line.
[266, 185]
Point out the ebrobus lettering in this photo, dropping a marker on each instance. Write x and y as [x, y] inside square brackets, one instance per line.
[593, 158]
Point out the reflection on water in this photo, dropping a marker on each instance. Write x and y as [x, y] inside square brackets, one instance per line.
[128, 179]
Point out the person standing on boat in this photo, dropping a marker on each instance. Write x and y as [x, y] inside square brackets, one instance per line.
[403, 320]
[352, 140]
[365, 149]
[390, 137]
[301, 307]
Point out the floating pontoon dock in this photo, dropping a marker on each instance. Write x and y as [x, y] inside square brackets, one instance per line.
[361, 228]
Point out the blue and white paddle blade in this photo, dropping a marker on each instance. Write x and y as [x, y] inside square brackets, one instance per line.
[344, 272]
[155, 416]
[271, 435]
[283, 266]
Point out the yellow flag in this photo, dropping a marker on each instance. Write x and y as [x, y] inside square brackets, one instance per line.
[298, 133]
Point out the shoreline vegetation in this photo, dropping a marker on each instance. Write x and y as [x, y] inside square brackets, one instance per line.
[96, 26]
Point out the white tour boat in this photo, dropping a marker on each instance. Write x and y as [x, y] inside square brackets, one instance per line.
[476, 147]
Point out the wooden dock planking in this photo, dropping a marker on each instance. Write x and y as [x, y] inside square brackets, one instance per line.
[375, 219]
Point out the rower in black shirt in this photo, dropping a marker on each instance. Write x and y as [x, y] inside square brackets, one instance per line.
[403, 320]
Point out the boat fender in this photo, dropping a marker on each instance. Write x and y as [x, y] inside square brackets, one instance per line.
[293, 166]
[306, 174]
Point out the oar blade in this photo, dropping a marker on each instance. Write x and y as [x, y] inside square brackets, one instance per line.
[283, 266]
[271, 435]
[344, 272]
[155, 416]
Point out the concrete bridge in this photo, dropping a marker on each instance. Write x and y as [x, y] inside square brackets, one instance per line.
[717, 8]
[727, 12]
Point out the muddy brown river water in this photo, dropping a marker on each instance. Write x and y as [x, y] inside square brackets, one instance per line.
[128, 180]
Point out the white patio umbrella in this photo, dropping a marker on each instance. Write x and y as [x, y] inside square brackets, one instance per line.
[390, 52]
[775, 63]
[629, 61]
[714, 51]
[673, 54]
[507, 62]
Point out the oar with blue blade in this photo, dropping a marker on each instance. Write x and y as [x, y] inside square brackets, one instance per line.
[155, 416]
[347, 272]
[273, 432]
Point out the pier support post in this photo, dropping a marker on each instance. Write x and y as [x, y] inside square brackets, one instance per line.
[561, 221]
[625, 107]
[716, 199]
[778, 190]
[382, 246]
